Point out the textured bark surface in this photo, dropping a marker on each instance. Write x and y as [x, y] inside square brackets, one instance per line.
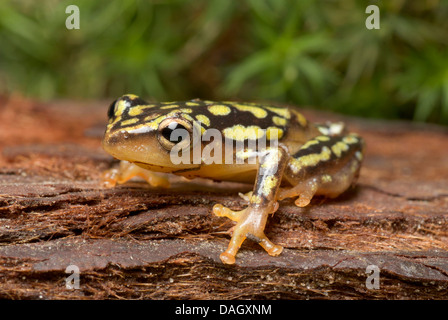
[135, 241]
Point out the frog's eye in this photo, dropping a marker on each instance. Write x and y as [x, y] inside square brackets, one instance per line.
[173, 132]
[111, 110]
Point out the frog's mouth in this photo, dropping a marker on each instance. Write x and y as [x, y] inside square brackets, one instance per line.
[187, 170]
[166, 169]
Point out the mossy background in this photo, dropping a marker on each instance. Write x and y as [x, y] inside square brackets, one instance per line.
[308, 53]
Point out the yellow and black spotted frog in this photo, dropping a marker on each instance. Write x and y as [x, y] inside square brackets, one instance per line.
[279, 151]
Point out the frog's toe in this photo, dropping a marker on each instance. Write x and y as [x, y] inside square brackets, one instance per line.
[235, 243]
[227, 258]
[271, 248]
[156, 180]
[109, 178]
[221, 211]
[246, 196]
[302, 201]
[276, 250]
[239, 235]
[305, 190]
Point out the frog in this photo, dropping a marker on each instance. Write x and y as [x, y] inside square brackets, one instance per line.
[281, 153]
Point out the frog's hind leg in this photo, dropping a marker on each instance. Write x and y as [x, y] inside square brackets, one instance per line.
[326, 165]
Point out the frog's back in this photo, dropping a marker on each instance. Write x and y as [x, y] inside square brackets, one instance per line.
[235, 120]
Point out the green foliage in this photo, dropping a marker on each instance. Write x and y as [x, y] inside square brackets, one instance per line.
[315, 53]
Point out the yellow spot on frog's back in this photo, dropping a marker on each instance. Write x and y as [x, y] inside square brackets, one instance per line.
[323, 138]
[170, 106]
[185, 116]
[350, 139]
[109, 126]
[339, 147]
[117, 119]
[147, 106]
[131, 96]
[300, 119]
[191, 104]
[135, 111]
[274, 133]
[311, 160]
[120, 107]
[284, 112]
[152, 117]
[183, 110]
[279, 121]
[240, 133]
[129, 121]
[309, 144]
[219, 110]
[256, 111]
[203, 119]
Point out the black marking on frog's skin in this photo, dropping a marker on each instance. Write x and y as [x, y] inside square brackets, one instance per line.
[330, 151]
[243, 118]
[329, 142]
[134, 101]
[111, 110]
[244, 114]
[253, 238]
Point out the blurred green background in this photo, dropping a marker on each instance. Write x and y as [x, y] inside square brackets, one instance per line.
[309, 53]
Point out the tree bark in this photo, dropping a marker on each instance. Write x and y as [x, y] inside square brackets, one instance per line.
[135, 241]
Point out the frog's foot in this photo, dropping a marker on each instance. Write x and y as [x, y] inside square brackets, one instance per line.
[251, 223]
[305, 191]
[110, 177]
[127, 171]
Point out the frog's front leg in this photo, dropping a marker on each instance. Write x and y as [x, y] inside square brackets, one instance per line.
[127, 171]
[251, 221]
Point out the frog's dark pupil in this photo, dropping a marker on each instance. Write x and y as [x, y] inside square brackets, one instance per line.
[169, 129]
